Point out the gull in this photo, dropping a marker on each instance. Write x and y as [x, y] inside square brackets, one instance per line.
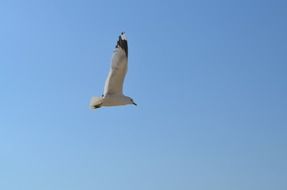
[113, 91]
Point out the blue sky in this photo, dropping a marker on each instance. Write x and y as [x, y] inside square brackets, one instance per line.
[209, 78]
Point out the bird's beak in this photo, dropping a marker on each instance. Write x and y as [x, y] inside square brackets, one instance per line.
[134, 104]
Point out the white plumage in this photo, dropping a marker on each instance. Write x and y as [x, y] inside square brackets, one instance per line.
[113, 91]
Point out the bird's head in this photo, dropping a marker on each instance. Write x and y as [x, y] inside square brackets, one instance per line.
[131, 101]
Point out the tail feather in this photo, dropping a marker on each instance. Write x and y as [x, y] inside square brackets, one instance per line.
[96, 102]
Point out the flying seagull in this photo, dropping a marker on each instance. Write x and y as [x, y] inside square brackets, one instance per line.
[113, 91]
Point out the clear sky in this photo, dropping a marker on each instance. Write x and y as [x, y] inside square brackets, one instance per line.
[209, 78]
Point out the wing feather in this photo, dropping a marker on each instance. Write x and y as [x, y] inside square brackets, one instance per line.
[118, 70]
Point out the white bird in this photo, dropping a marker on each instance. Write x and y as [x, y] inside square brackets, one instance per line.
[113, 91]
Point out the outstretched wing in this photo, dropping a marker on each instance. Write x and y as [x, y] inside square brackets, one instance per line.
[118, 70]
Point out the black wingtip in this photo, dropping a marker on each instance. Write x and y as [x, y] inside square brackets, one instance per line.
[123, 42]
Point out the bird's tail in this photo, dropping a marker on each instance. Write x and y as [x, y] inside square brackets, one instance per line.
[96, 102]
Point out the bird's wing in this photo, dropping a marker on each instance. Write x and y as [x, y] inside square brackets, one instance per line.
[118, 70]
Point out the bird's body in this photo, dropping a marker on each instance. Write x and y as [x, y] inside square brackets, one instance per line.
[113, 91]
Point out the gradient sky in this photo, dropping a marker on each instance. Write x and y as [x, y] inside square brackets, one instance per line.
[209, 78]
